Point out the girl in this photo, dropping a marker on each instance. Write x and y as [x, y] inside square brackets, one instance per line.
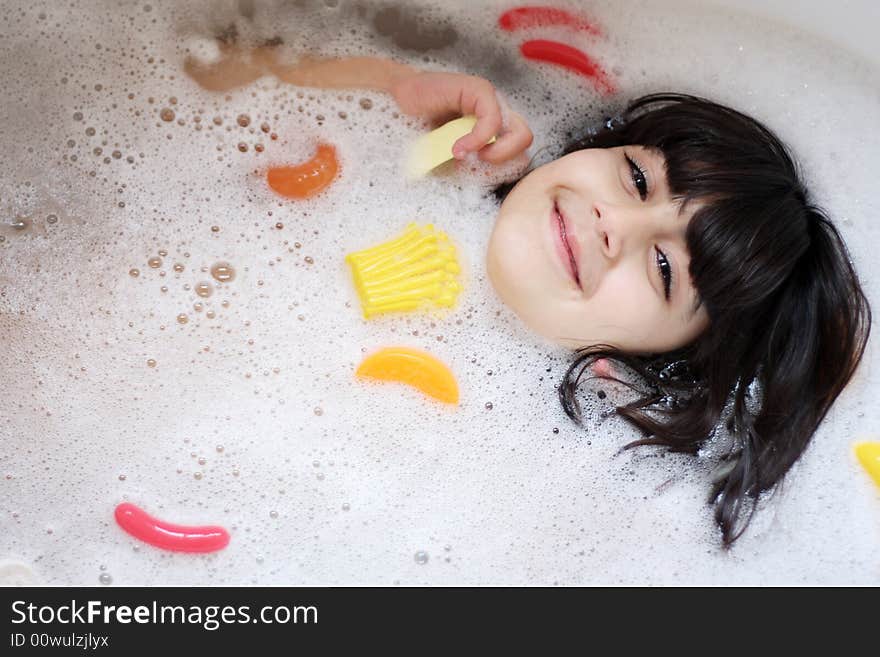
[676, 242]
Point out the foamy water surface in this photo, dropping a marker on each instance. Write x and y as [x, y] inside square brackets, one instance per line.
[247, 414]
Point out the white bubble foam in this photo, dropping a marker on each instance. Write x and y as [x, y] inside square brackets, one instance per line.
[517, 502]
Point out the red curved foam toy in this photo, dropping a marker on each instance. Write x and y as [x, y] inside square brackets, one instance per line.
[521, 18]
[168, 536]
[560, 54]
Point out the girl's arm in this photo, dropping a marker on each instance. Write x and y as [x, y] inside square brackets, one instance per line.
[435, 96]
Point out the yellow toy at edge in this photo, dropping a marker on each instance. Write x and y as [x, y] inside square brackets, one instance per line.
[868, 454]
[417, 270]
[433, 149]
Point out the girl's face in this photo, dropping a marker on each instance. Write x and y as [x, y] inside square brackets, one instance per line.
[590, 249]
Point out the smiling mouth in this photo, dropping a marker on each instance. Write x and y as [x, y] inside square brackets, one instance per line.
[564, 235]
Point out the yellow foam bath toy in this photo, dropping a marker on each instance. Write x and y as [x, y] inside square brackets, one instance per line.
[416, 368]
[433, 149]
[417, 270]
[868, 454]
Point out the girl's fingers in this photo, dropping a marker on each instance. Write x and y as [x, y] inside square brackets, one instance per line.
[511, 143]
[446, 95]
[478, 98]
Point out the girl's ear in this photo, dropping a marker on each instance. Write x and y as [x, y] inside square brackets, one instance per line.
[809, 352]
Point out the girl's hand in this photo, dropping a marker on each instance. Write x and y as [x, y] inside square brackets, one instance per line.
[438, 97]
[444, 96]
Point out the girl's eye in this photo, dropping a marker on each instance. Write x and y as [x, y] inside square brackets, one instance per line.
[665, 271]
[640, 179]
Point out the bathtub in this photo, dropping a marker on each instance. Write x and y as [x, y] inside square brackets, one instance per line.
[848, 24]
[254, 420]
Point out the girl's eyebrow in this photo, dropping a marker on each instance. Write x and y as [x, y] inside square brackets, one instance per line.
[656, 164]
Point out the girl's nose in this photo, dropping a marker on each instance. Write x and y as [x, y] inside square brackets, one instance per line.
[609, 239]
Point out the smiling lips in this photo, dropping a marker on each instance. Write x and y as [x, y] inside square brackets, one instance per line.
[571, 262]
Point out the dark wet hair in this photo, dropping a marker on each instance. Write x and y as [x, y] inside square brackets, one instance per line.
[788, 318]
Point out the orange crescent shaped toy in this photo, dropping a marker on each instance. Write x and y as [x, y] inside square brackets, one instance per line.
[304, 180]
[416, 368]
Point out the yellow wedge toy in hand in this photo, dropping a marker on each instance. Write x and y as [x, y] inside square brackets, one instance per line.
[417, 270]
[868, 454]
[433, 149]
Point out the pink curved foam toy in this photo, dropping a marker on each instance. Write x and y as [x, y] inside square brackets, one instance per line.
[168, 536]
